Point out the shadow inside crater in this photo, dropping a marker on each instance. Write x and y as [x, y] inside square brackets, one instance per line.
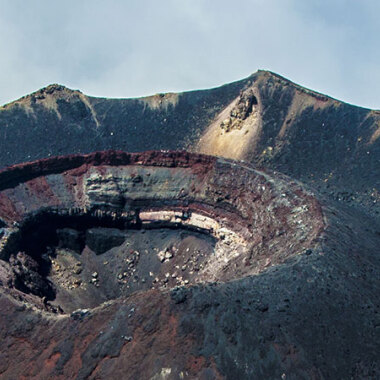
[80, 261]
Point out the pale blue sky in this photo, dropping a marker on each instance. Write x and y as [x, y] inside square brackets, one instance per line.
[118, 48]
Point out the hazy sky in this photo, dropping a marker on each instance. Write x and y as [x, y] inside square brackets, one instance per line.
[134, 48]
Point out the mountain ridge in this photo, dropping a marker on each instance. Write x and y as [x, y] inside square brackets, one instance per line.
[259, 72]
[264, 119]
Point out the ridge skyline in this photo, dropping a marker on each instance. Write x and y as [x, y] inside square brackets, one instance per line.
[306, 88]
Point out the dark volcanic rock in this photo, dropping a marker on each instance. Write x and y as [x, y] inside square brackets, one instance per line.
[101, 240]
[287, 287]
[27, 277]
[264, 119]
[57, 120]
[167, 265]
[70, 238]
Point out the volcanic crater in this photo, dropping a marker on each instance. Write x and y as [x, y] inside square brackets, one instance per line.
[81, 230]
[172, 265]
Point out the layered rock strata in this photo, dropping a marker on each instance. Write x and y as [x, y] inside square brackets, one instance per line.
[175, 265]
[255, 219]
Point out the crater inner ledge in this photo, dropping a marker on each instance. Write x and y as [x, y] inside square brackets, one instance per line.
[81, 230]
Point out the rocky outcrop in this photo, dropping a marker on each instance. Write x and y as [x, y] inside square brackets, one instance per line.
[101, 240]
[245, 106]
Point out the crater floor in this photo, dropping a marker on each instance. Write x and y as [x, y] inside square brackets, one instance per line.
[115, 263]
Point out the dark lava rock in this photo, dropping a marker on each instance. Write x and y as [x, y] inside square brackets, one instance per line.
[179, 295]
[101, 240]
[27, 276]
[309, 136]
[312, 315]
[70, 239]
